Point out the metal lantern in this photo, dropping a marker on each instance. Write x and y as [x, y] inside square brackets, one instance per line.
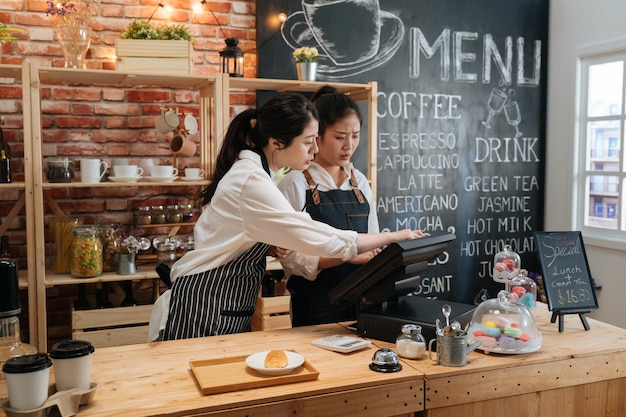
[232, 58]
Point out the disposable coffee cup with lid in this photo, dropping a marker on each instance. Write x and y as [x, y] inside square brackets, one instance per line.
[27, 378]
[72, 364]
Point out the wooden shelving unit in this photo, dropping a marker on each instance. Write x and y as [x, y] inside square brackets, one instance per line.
[27, 278]
[46, 78]
[214, 114]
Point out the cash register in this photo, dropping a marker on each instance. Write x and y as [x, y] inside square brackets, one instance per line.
[384, 285]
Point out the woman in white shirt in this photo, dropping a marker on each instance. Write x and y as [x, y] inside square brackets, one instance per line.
[332, 191]
[214, 287]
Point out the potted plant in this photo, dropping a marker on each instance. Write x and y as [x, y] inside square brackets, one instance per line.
[146, 48]
[7, 34]
[306, 63]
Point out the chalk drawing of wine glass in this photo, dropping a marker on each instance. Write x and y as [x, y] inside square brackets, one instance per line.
[497, 98]
[513, 116]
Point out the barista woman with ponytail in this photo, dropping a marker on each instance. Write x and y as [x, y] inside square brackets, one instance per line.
[215, 286]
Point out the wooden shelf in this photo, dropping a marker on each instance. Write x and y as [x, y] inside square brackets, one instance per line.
[141, 183]
[143, 272]
[15, 185]
[71, 76]
[11, 71]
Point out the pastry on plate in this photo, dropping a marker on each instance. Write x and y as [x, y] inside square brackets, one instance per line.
[276, 359]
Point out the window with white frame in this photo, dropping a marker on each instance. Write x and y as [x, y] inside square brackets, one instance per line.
[601, 185]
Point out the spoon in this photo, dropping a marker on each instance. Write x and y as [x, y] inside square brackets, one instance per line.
[446, 310]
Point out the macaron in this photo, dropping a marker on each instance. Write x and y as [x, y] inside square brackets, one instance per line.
[492, 332]
[506, 339]
[514, 332]
[502, 322]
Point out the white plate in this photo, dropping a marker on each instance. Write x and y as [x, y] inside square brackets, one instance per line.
[124, 179]
[256, 361]
[191, 124]
[162, 179]
[191, 178]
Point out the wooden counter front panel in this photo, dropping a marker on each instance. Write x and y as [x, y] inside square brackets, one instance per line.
[522, 379]
[604, 398]
[385, 400]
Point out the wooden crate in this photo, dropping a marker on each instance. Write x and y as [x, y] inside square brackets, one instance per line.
[271, 313]
[148, 56]
[112, 326]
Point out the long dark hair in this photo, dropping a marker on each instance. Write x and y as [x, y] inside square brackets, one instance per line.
[333, 106]
[282, 117]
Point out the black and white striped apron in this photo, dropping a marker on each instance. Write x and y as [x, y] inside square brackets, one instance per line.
[218, 301]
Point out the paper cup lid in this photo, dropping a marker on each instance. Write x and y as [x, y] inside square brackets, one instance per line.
[68, 349]
[27, 363]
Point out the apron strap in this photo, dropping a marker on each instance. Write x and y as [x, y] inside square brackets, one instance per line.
[355, 188]
[313, 188]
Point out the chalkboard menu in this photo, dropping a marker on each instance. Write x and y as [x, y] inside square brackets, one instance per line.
[566, 276]
[461, 117]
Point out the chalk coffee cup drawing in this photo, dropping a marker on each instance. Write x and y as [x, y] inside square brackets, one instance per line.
[182, 146]
[332, 39]
[127, 171]
[163, 171]
[72, 364]
[194, 173]
[168, 122]
[27, 379]
[92, 170]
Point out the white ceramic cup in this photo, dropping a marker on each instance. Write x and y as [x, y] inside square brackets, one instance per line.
[27, 379]
[194, 172]
[163, 171]
[167, 122]
[72, 364]
[127, 171]
[92, 170]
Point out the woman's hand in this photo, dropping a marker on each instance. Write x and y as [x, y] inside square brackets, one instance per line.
[365, 257]
[278, 253]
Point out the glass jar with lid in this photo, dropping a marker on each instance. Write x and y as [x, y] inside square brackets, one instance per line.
[504, 326]
[110, 237]
[158, 215]
[86, 254]
[143, 216]
[523, 289]
[173, 214]
[410, 343]
[186, 213]
[506, 266]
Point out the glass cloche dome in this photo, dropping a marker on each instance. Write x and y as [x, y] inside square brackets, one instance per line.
[504, 327]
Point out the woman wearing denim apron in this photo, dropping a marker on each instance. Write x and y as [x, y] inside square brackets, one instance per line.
[332, 191]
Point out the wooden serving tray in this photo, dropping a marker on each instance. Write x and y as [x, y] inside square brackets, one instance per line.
[232, 374]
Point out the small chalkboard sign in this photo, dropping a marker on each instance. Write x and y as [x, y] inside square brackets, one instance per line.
[568, 283]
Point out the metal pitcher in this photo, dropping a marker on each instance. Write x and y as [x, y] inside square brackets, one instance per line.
[452, 350]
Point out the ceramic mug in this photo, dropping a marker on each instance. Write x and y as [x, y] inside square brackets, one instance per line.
[163, 171]
[127, 171]
[92, 170]
[194, 173]
[182, 146]
[167, 122]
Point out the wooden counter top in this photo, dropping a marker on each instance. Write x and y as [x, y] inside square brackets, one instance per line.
[155, 379]
[575, 373]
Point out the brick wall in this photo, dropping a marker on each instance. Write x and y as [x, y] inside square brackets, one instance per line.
[103, 122]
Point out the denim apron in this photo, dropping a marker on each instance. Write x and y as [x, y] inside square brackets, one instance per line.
[343, 209]
[218, 301]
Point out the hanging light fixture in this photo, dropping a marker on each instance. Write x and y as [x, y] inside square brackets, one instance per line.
[232, 58]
